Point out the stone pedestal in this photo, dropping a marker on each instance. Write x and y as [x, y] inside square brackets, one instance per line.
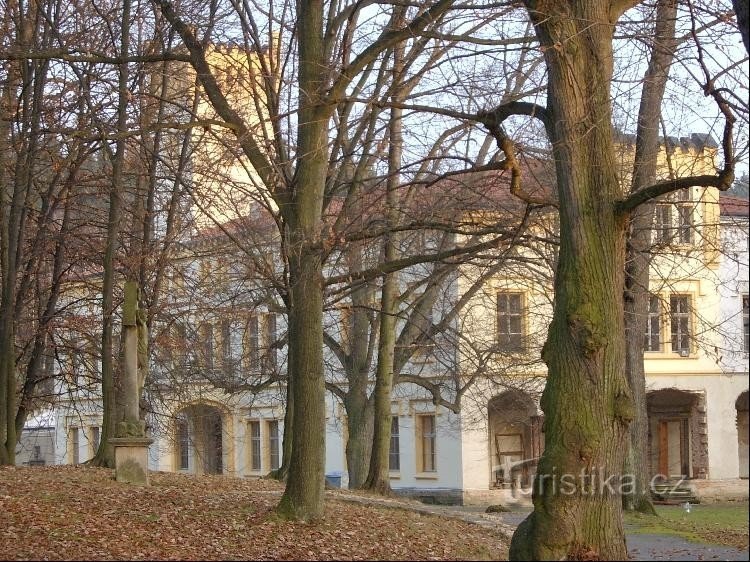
[131, 459]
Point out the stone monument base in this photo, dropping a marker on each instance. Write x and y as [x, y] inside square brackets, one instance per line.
[131, 459]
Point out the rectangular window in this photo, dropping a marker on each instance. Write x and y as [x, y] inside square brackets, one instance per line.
[663, 223]
[653, 325]
[269, 338]
[746, 321]
[273, 444]
[183, 443]
[37, 455]
[232, 335]
[255, 446]
[428, 437]
[510, 321]
[74, 445]
[679, 312]
[252, 355]
[206, 334]
[394, 456]
[685, 223]
[180, 344]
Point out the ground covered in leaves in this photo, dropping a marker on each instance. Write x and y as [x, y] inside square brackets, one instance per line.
[82, 513]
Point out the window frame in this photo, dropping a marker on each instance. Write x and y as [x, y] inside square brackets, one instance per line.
[255, 448]
[394, 453]
[74, 440]
[654, 318]
[183, 444]
[424, 438]
[274, 444]
[506, 317]
[676, 319]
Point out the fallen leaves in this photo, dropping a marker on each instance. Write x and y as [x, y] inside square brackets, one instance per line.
[54, 513]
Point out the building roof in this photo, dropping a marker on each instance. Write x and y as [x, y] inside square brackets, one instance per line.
[734, 206]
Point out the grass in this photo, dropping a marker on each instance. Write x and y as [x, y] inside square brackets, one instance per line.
[725, 524]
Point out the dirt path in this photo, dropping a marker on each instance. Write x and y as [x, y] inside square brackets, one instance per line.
[640, 546]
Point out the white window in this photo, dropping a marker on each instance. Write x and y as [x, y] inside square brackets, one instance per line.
[255, 446]
[252, 345]
[673, 220]
[663, 223]
[274, 451]
[653, 325]
[206, 345]
[269, 338]
[679, 317]
[232, 348]
[510, 315]
[394, 456]
[183, 443]
[74, 444]
[427, 440]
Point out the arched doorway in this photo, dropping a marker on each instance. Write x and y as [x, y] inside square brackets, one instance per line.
[199, 440]
[678, 439]
[742, 432]
[516, 441]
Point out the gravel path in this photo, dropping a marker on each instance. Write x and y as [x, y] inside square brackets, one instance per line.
[640, 546]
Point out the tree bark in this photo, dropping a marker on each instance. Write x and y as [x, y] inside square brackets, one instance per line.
[638, 259]
[586, 401]
[378, 478]
[742, 11]
[303, 496]
[359, 418]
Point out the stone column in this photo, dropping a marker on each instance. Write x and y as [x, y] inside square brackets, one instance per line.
[131, 443]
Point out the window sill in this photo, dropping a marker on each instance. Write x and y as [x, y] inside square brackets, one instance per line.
[667, 355]
[427, 476]
[394, 475]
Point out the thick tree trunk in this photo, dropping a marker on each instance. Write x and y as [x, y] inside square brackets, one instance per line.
[359, 442]
[303, 496]
[587, 404]
[742, 10]
[638, 259]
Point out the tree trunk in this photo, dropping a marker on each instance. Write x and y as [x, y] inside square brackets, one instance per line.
[359, 441]
[587, 404]
[378, 478]
[359, 406]
[303, 496]
[638, 259]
